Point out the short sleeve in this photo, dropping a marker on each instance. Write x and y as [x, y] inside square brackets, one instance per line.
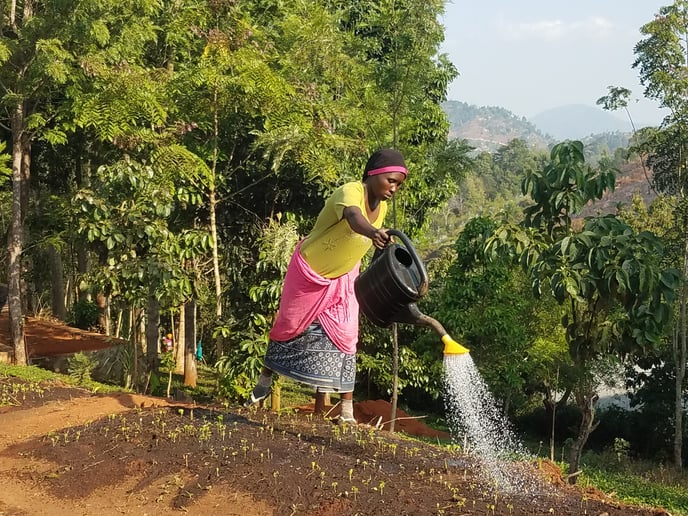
[350, 194]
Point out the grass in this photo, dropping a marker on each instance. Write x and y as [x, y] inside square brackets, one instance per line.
[637, 490]
[295, 394]
[30, 373]
[37, 374]
[635, 482]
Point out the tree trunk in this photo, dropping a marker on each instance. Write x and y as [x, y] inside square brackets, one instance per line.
[13, 14]
[585, 400]
[395, 376]
[180, 344]
[57, 284]
[190, 370]
[212, 208]
[680, 352]
[28, 289]
[551, 411]
[103, 316]
[15, 242]
[219, 343]
[152, 332]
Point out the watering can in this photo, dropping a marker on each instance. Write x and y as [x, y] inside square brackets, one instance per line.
[388, 289]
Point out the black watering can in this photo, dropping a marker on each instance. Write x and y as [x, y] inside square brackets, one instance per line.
[388, 289]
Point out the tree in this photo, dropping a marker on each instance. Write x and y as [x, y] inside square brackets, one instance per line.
[611, 279]
[654, 377]
[515, 338]
[662, 62]
[43, 54]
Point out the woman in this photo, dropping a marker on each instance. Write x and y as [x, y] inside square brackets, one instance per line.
[314, 337]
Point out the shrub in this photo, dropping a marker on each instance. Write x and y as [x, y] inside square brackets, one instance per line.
[84, 314]
[80, 366]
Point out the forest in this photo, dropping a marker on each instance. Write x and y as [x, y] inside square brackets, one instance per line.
[161, 158]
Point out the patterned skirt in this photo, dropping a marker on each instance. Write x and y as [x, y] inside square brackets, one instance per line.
[313, 359]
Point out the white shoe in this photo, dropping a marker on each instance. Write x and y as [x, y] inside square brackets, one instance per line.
[259, 393]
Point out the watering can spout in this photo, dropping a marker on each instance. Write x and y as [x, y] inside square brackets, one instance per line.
[451, 347]
[412, 315]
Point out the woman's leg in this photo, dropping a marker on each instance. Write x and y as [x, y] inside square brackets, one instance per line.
[347, 415]
[262, 388]
[320, 398]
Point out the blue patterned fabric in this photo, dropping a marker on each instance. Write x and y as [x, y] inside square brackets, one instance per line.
[313, 359]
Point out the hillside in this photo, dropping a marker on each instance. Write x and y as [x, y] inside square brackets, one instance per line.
[632, 180]
[489, 127]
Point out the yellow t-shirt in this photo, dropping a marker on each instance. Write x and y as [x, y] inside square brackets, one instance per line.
[333, 248]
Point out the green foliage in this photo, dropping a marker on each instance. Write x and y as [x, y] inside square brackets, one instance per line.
[238, 371]
[661, 54]
[29, 373]
[638, 489]
[666, 149]
[166, 362]
[127, 217]
[490, 302]
[612, 279]
[605, 264]
[80, 367]
[563, 187]
[5, 164]
[415, 372]
[47, 378]
[84, 314]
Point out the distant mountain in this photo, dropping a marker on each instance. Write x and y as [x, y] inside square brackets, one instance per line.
[489, 127]
[576, 121]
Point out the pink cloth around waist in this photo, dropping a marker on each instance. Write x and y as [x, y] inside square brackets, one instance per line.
[307, 296]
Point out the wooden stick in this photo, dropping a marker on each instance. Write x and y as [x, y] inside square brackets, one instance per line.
[400, 418]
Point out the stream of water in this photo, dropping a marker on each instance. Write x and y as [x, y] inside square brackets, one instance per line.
[477, 423]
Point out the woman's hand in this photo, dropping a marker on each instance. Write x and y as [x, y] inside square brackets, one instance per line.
[380, 238]
[360, 225]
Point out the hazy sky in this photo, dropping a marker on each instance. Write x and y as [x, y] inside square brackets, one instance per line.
[533, 55]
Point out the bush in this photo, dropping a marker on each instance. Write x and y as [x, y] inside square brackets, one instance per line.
[84, 314]
[80, 366]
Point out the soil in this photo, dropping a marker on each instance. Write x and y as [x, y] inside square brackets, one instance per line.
[68, 451]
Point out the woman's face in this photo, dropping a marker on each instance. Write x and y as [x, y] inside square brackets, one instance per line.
[384, 186]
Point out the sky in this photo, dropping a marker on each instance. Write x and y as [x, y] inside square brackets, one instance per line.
[529, 56]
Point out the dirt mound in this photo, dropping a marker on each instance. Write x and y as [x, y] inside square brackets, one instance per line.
[47, 338]
[68, 451]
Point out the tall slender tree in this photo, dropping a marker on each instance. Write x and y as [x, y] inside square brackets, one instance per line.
[662, 63]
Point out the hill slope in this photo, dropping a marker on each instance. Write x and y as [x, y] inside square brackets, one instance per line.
[489, 127]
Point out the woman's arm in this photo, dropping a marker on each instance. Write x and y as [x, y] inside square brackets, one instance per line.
[360, 225]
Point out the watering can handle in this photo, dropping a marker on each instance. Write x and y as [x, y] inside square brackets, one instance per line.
[423, 287]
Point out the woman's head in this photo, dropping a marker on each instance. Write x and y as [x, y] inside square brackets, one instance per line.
[385, 161]
[384, 173]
